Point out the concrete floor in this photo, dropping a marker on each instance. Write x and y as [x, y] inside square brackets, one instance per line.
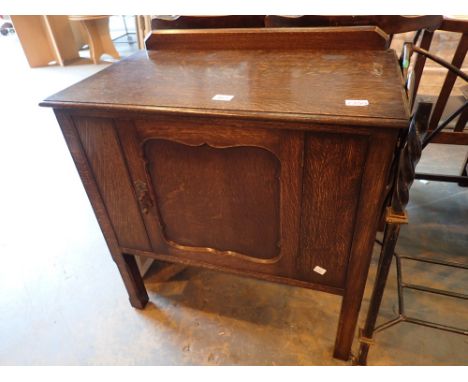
[62, 301]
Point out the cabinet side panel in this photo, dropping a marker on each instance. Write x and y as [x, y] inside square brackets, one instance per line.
[104, 155]
[333, 168]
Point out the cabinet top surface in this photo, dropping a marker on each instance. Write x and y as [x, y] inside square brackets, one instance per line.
[333, 86]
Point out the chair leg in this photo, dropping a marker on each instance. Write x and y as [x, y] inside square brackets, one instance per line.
[464, 172]
[99, 39]
[132, 279]
[391, 234]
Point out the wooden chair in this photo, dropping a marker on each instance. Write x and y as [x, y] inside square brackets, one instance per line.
[207, 22]
[417, 138]
[96, 28]
[389, 24]
[450, 130]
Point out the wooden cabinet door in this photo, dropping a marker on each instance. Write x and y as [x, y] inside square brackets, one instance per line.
[217, 193]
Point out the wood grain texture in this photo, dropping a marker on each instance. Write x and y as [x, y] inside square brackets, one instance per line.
[204, 22]
[102, 149]
[83, 167]
[359, 37]
[291, 148]
[333, 166]
[390, 24]
[126, 264]
[279, 85]
[376, 172]
[137, 170]
[223, 198]
[285, 148]
[196, 262]
[182, 157]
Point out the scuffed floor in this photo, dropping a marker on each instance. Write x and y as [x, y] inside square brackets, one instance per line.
[62, 301]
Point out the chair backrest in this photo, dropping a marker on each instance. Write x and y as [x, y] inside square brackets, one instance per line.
[452, 71]
[207, 22]
[458, 28]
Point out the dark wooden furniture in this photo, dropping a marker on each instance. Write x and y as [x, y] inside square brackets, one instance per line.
[238, 151]
[449, 130]
[390, 24]
[204, 22]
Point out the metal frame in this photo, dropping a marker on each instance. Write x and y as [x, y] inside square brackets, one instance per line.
[403, 176]
[127, 34]
[401, 286]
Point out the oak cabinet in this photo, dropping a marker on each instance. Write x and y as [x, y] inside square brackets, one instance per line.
[283, 182]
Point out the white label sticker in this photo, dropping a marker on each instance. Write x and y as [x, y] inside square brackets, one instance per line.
[320, 270]
[356, 102]
[223, 97]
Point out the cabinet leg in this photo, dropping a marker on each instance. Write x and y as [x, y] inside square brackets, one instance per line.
[346, 328]
[132, 279]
